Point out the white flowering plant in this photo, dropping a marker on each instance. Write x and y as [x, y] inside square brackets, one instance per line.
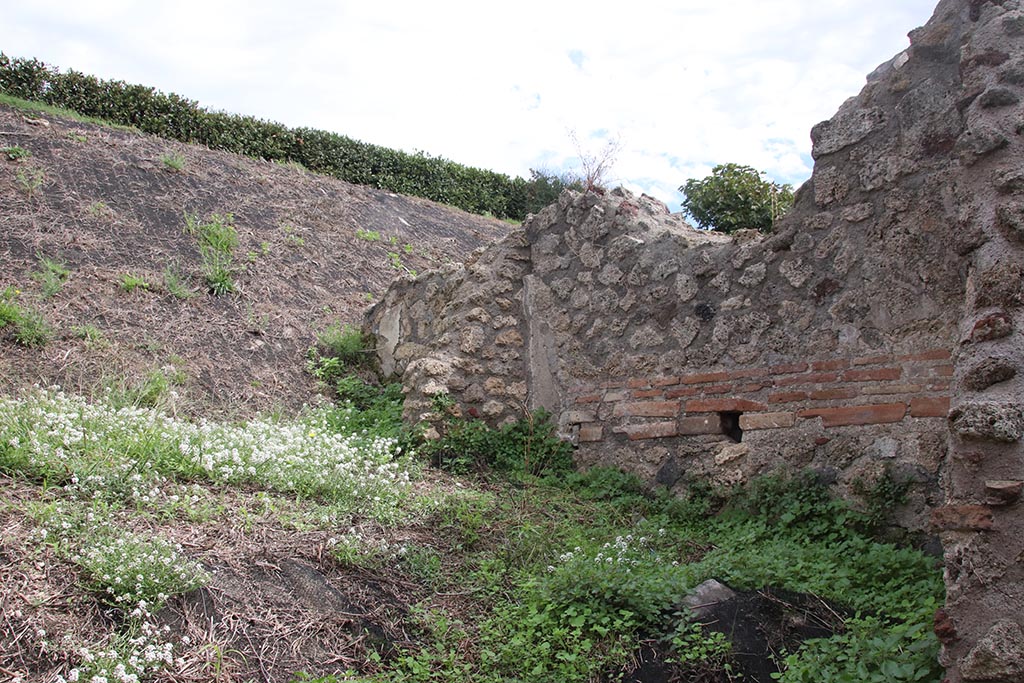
[97, 450]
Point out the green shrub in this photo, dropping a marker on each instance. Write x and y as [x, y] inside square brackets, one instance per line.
[735, 197]
[176, 118]
[527, 446]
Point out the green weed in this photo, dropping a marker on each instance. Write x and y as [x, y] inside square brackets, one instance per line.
[51, 275]
[175, 282]
[368, 235]
[131, 282]
[28, 326]
[173, 162]
[30, 180]
[15, 153]
[217, 240]
[91, 335]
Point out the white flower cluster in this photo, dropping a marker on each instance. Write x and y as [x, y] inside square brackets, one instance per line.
[137, 571]
[54, 432]
[625, 552]
[127, 659]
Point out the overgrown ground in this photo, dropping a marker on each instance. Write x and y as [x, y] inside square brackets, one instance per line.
[138, 544]
[144, 535]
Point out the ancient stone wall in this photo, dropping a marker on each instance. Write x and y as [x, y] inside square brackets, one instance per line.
[876, 330]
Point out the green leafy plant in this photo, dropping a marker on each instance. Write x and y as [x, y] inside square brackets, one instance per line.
[51, 276]
[735, 197]
[173, 162]
[30, 180]
[527, 446]
[292, 238]
[217, 240]
[368, 235]
[99, 209]
[28, 325]
[131, 282]
[91, 335]
[15, 153]
[175, 282]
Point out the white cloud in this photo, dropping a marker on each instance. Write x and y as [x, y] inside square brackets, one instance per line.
[685, 84]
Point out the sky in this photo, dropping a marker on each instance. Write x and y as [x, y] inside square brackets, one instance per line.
[676, 87]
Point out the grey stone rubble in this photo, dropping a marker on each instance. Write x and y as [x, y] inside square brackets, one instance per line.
[876, 331]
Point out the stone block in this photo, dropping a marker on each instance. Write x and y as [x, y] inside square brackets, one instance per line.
[990, 327]
[987, 372]
[700, 424]
[1003, 492]
[649, 430]
[580, 416]
[998, 656]
[753, 421]
[988, 421]
[590, 433]
[962, 518]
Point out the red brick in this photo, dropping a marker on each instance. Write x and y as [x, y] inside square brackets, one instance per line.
[719, 389]
[649, 430]
[858, 415]
[787, 396]
[754, 421]
[813, 378]
[751, 388]
[717, 405]
[700, 424]
[682, 391]
[931, 371]
[924, 406]
[647, 409]
[617, 384]
[872, 360]
[890, 389]
[664, 381]
[833, 394]
[704, 377]
[838, 364]
[962, 518]
[749, 372]
[637, 383]
[876, 375]
[787, 368]
[938, 386]
[934, 354]
[821, 440]
[589, 398]
[591, 432]
[646, 393]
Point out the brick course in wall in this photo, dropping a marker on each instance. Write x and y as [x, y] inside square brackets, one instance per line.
[829, 390]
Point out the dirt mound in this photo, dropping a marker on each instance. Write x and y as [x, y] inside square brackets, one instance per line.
[109, 204]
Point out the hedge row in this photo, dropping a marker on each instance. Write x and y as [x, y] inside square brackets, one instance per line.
[174, 117]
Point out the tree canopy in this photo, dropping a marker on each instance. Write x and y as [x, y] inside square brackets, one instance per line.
[734, 197]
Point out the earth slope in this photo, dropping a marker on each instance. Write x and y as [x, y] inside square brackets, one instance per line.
[109, 204]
